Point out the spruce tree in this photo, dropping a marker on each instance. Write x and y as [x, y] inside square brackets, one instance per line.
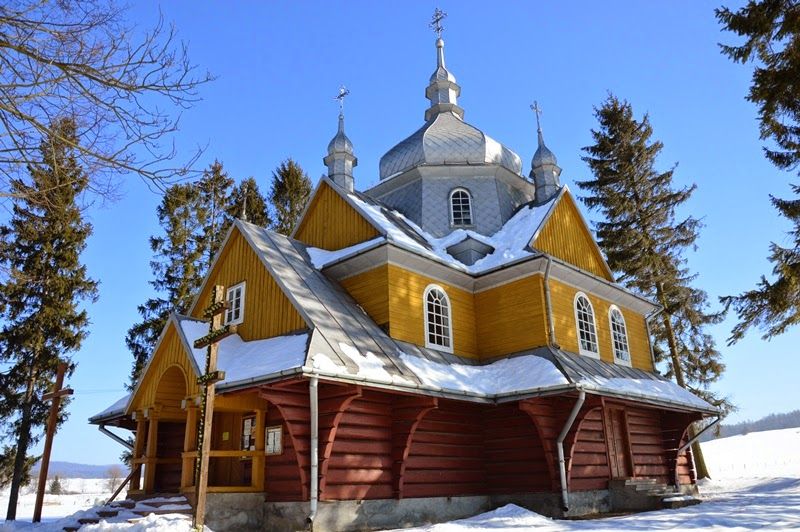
[645, 244]
[771, 29]
[45, 283]
[247, 203]
[290, 191]
[214, 190]
[179, 262]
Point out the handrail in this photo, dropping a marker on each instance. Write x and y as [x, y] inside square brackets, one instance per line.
[223, 454]
[134, 471]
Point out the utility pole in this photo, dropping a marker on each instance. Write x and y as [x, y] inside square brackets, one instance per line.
[216, 332]
[54, 396]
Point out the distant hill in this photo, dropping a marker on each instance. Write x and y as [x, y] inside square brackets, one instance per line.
[788, 420]
[72, 470]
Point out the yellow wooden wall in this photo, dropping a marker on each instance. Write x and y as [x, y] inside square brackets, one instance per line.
[562, 297]
[267, 311]
[566, 237]
[511, 317]
[331, 223]
[406, 316]
[170, 354]
[371, 290]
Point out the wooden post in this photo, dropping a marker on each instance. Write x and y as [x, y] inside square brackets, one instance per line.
[138, 449]
[257, 471]
[151, 451]
[189, 445]
[216, 332]
[55, 398]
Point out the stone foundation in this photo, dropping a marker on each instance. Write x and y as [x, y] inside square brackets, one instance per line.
[235, 511]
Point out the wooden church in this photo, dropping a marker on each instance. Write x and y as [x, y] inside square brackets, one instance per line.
[446, 342]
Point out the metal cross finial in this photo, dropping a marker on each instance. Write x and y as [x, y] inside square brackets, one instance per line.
[538, 110]
[436, 22]
[343, 92]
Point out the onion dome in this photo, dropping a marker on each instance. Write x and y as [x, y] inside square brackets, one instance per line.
[544, 167]
[446, 139]
[341, 159]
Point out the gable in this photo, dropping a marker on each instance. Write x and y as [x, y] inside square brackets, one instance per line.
[169, 377]
[331, 223]
[566, 236]
[267, 311]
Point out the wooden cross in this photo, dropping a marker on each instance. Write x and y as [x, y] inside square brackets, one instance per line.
[54, 396]
[216, 332]
[436, 22]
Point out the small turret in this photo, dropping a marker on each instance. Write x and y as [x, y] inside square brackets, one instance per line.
[544, 167]
[341, 159]
[443, 91]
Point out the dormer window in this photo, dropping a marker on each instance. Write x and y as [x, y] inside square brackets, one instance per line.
[460, 207]
[587, 331]
[235, 298]
[438, 329]
[619, 336]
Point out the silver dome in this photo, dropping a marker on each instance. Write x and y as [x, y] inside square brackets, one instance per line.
[446, 139]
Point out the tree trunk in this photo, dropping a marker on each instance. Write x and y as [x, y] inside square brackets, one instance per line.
[699, 461]
[23, 440]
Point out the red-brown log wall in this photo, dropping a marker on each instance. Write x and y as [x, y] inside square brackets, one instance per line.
[514, 455]
[647, 444]
[282, 479]
[447, 453]
[589, 469]
[361, 460]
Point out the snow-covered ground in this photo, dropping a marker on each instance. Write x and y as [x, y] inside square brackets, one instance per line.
[756, 485]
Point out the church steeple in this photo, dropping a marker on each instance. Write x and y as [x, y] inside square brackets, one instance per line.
[544, 167]
[443, 91]
[341, 159]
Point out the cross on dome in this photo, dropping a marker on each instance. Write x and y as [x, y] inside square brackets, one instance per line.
[343, 93]
[436, 22]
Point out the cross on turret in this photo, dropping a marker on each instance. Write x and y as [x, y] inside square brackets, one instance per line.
[538, 110]
[343, 93]
[436, 22]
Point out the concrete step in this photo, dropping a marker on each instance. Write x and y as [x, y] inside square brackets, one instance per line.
[89, 520]
[679, 501]
[105, 514]
[125, 503]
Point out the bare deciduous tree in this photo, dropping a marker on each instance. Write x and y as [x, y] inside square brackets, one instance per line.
[126, 89]
[113, 475]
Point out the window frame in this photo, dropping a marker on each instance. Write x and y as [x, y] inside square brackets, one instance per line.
[617, 359]
[581, 350]
[425, 314]
[469, 205]
[228, 312]
[278, 449]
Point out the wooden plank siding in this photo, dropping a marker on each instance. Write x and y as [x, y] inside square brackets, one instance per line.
[588, 467]
[371, 290]
[406, 315]
[566, 236]
[331, 223]
[562, 297]
[511, 317]
[170, 354]
[267, 311]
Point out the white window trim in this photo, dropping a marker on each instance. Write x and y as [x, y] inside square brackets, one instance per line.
[452, 214]
[617, 359]
[428, 344]
[581, 350]
[227, 298]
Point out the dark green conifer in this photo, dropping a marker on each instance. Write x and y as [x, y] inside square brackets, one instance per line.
[178, 264]
[44, 284]
[214, 190]
[645, 244]
[290, 191]
[771, 29]
[247, 203]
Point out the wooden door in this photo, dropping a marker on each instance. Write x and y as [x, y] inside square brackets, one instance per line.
[619, 451]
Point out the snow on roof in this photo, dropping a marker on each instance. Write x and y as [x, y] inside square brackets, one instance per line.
[652, 389]
[508, 375]
[322, 257]
[243, 361]
[117, 408]
[510, 242]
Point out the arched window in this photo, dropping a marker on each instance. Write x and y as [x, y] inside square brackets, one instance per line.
[460, 207]
[438, 331]
[619, 336]
[587, 331]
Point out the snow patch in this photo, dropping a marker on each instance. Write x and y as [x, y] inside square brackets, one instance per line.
[322, 257]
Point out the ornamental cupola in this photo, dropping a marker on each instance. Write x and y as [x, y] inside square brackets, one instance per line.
[544, 167]
[341, 159]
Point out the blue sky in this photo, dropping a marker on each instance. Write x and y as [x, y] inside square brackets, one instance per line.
[279, 64]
